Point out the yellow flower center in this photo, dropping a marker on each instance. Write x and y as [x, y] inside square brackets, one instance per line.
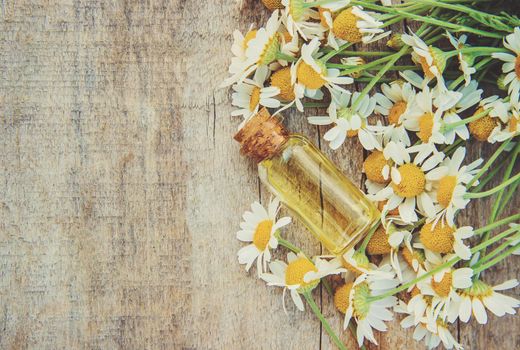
[352, 133]
[439, 239]
[378, 243]
[513, 124]
[341, 297]
[445, 191]
[517, 66]
[482, 127]
[309, 77]
[273, 4]
[345, 27]
[411, 255]
[296, 270]
[374, 165]
[248, 37]
[443, 287]
[262, 234]
[412, 181]
[396, 112]
[282, 80]
[425, 127]
[255, 98]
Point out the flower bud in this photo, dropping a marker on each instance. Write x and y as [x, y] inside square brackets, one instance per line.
[395, 42]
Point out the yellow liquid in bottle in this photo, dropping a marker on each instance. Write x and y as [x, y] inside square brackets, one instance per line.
[326, 201]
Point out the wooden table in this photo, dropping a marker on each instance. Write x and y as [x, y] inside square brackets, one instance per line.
[121, 189]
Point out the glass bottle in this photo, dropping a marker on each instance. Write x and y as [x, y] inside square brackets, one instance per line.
[334, 210]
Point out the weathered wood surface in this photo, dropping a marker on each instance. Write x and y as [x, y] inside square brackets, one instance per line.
[121, 189]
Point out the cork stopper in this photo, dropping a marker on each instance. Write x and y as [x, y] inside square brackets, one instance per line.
[262, 136]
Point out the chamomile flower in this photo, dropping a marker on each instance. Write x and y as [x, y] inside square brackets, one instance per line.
[512, 64]
[481, 296]
[465, 61]
[484, 127]
[446, 239]
[508, 129]
[412, 181]
[443, 285]
[309, 74]
[349, 119]
[369, 313]
[250, 94]
[471, 96]
[432, 331]
[299, 20]
[450, 188]
[259, 228]
[261, 48]
[299, 275]
[431, 59]
[354, 25]
[425, 115]
[395, 100]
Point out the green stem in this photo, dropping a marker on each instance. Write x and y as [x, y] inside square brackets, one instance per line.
[483, 50]
[394, 68]
[463, 9]
[324, 322]
[287, 244]
[511, 191]
[430, 20]
[489, 176]
[449, 149]
[494, 189]
[496, 204]
[488, 163]
[497, 259]
[285, 57]
[366, 53]
[333, 53]
[368, 65]
[363, 246]
[450, 126]
[496, 224]
[378, 76]
[507, 174]
[494, 252]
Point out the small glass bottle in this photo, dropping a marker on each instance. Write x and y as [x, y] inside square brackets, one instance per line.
[336, 212]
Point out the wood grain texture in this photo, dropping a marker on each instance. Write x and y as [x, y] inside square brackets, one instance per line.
[121, 189]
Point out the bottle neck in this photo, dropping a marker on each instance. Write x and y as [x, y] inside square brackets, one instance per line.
[262, 136]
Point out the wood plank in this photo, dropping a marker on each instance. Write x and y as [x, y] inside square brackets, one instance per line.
[121, 189]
